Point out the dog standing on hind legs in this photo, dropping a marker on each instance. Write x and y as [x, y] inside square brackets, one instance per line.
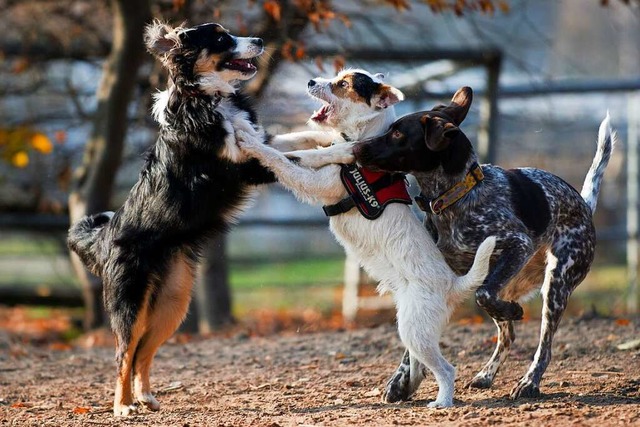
[544, 228]
[194, 184]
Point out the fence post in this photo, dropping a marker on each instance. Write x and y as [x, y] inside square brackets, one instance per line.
[352, 276]
[488, 131]
[633, 110]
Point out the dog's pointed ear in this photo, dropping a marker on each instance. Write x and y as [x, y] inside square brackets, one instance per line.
[437, 134]
[386, 96]
[460, 104]
[161, 39]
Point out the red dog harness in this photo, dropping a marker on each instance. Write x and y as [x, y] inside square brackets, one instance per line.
[369, 191]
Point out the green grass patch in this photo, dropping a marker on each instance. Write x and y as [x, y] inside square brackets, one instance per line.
[287, 274]
[24, 245]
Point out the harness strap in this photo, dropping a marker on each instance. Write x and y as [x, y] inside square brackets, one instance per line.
[356, 199]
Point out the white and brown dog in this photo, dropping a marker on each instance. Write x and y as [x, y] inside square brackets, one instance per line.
[394, 247]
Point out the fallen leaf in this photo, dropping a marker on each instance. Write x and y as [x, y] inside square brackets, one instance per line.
[80, 410]
[623, 322]
[21, 405]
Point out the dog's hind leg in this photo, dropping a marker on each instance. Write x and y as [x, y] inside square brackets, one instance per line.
[445, 374]
[128, 334]
[169, 309]
[506, 336]
[567, 265]
[516, 250]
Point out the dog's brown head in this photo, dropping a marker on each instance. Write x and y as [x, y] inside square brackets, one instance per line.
[421, 142]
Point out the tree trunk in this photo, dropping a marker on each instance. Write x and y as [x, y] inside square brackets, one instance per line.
[213, 295]
[94, 179]
[211, 304]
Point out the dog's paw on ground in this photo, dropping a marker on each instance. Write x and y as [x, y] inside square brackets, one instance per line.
[479, 381]
[124, 410]
[437, 405]
[397, 389]
[525, 389]
[149, 401]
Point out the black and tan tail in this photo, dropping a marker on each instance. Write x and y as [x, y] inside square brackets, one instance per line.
[82, 237]
[607, 138]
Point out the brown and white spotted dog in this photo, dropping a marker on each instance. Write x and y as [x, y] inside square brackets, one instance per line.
[546, 237]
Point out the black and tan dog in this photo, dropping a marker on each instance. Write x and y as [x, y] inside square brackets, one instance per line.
[544, 227]
[194, 183]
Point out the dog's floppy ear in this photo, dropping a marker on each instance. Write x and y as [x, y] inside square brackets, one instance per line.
[386, 96]
[460, 104]
[437, 132]
[161, 39]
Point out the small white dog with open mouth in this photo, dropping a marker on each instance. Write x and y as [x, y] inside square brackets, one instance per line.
[394, 247]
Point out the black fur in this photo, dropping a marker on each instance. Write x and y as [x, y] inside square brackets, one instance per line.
[188, 189]
[364, 86]
[529, 202]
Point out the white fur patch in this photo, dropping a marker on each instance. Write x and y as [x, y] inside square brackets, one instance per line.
[215, 83]
[160, 101]
[238, 125]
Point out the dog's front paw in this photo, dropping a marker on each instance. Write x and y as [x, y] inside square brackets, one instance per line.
[499, 309]
[525, 388]
[120, 410]
[397, 389]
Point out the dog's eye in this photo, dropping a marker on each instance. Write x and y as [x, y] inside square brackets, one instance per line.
[343, 84]
[396, 134]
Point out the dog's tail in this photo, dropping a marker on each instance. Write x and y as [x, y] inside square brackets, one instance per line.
[82, 238]
[476, 275]
[607, 138]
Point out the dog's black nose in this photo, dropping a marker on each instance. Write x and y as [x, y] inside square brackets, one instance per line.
[258, 42]
[311, 83]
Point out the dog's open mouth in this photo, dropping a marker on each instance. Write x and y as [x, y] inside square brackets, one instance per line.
[244, 65]
[321, 115]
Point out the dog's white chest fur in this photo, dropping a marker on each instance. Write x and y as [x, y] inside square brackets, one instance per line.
[237, 123]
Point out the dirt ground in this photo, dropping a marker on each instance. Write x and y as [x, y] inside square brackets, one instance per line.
[330, 378]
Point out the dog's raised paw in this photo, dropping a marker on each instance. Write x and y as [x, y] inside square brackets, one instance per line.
[498, 309]
[525, 389]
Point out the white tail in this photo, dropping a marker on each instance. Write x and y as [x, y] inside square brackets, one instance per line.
[606, 140]
[474, 278]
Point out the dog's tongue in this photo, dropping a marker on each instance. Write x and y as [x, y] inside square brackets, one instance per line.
[241, 64]
[321, 115]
